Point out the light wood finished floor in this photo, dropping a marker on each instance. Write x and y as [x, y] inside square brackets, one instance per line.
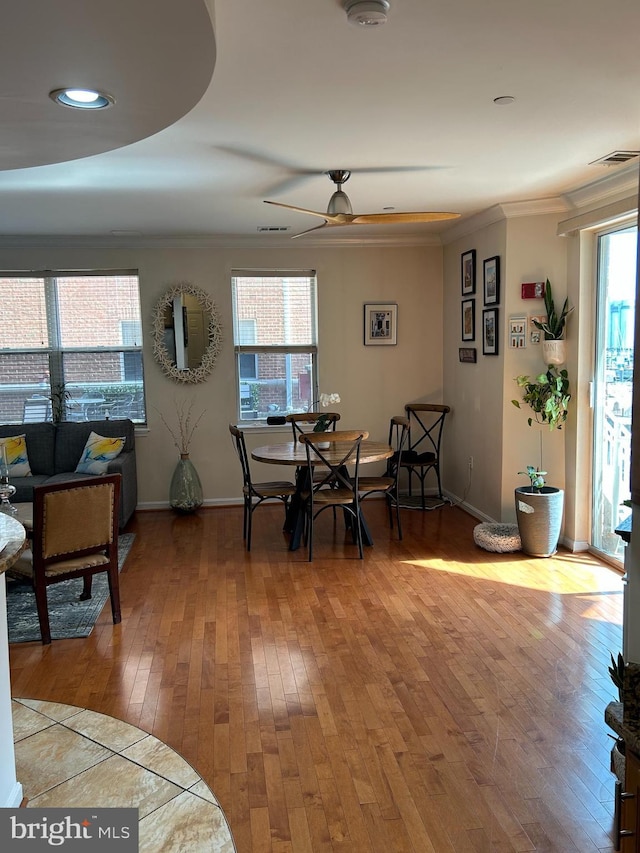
[433, 697]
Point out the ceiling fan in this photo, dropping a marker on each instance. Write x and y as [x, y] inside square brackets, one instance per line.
[339, 211]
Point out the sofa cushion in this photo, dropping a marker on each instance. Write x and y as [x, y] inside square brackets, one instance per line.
[98, 452]
[72, 438]
[40, 439]
[24, 487]
[14, 450]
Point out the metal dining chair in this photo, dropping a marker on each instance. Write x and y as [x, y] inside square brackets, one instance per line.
[388, 484]
[255, 494]
[331, 471]
[425, 440]
[297, 419]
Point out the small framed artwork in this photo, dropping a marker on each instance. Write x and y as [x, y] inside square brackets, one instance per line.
[468, 319]
[491, 267]
[532, 290]
[490, 331]
[468, 272]
[380, 323]
[517, 332]
[467, 354]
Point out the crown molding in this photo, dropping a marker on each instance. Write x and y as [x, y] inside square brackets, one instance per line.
[618, 185]
[44, 241]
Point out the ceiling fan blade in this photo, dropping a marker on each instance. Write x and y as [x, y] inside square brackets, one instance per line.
[389, 218]
[299, 209]
[309, 230]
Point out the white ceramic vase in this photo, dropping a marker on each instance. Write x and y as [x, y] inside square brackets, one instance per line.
[554, 352]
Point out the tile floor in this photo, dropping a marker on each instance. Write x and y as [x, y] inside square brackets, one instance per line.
[68, 757]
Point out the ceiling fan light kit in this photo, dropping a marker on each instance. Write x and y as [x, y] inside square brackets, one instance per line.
[366, 13]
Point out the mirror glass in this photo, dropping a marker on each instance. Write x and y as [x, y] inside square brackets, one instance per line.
[187, 333]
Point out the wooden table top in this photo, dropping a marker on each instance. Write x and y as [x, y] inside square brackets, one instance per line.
[294, 452]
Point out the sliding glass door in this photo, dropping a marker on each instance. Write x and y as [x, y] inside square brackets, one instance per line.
[612, 387]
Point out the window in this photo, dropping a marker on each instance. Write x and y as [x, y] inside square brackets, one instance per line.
[275, 337]
[73, 341]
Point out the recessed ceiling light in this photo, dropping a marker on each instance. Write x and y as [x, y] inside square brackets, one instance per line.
[82, 99]
[504, 100]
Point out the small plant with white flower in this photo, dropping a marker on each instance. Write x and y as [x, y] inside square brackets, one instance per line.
[323, 422]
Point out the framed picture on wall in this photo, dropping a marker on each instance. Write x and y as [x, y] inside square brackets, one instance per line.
[380, 323]
[518, 332]
[468, 319]
[490, 331]
[467, 354]
[468, 272]
[491, 278]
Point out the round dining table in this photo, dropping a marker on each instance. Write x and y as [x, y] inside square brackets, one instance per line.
[294, 453]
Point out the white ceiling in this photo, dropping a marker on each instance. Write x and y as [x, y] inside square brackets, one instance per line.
[205, 127]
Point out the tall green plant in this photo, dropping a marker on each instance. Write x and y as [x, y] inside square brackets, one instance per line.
[554, 326]
[547, 395]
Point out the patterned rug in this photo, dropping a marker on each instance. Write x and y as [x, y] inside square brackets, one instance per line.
[68, 616]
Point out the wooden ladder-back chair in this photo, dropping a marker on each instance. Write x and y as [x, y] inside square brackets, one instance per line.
[255, 494]
[424, 445]
[332, 486]
[388, 485]
[75, 535]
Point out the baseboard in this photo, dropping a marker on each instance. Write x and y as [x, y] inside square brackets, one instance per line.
[16, 796]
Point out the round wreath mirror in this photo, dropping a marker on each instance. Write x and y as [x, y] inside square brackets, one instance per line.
[187, 335]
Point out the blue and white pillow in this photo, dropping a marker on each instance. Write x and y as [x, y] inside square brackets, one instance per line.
[14, 448]
[98, 452]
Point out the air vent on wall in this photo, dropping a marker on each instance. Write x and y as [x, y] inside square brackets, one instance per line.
[616, 158]
[274, 227]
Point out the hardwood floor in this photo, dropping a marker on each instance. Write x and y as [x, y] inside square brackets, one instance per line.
[432, 697]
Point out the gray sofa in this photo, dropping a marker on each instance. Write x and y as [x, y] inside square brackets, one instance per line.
[54, 450]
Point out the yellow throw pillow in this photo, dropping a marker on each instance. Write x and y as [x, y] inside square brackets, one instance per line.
[16, 453]
[98, 452]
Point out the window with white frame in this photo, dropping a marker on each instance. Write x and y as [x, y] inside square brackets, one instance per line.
[73, 341]
[275, 339]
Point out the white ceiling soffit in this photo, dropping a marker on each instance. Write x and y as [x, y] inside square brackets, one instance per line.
[155, 57]
[188, 155]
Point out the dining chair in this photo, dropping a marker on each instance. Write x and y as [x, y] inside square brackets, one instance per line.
[328, 455]
[255, 494]
[75, 535]
[388, 484]
[297, 419]
[424, 444]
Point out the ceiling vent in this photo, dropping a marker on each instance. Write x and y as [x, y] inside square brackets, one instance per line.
[274, 227]
[616, 158]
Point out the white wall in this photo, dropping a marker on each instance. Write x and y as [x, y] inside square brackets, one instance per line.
[374, 382]
[534, 253]
[485, 424]
[474, 391]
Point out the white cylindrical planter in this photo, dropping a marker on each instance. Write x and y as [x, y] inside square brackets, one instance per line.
[539, 516]
[554, 352]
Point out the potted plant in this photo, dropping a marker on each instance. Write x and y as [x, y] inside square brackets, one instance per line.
[547, 395]
[553, 345]
[539, 514]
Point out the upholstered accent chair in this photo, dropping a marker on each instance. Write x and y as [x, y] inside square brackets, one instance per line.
[75, 535]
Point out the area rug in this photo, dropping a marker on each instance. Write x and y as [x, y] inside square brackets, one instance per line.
[69, 617]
